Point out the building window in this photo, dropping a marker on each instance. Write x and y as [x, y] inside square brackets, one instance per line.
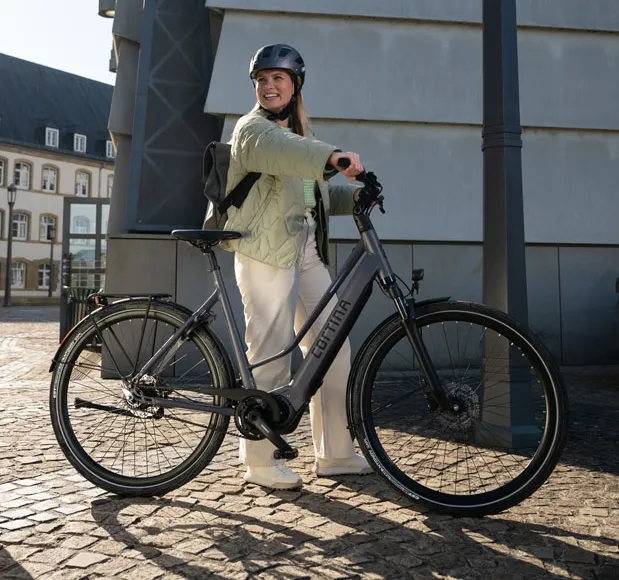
[110, 151]
[81, 225]
[110, 185]
[21, 177]
[82, 183]
[50, 178]
[2, 165]
[43, 276]
[79, 143]
[18, 275]
[51, 137]
[20, 226]
[47, 222]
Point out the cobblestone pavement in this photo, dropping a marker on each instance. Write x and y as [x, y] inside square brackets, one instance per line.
[55, 525]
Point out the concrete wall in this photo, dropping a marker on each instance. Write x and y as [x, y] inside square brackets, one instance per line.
[401, 83]
[572, 303]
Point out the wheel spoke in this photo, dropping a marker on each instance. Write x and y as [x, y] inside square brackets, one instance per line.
[133, 444]
[485, 449]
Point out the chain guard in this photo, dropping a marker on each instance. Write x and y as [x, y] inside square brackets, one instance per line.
[245, 406]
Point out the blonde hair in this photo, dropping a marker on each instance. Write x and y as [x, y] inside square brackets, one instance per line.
[299, 119]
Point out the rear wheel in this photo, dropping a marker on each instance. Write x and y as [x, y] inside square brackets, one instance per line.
[115, 442]
[505, 432]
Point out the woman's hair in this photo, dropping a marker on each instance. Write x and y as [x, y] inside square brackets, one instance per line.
[299, 119]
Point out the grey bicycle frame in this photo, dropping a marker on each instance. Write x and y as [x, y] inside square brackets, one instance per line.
[366, 262]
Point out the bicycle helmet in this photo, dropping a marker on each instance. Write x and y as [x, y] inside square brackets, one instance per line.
[279, 56]
[285, 57]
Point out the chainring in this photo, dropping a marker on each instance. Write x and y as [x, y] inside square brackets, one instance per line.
[243, 408]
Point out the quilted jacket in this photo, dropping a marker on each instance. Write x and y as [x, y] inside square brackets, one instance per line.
[271, 217]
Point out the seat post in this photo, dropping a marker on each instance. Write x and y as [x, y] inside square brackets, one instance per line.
[212, 258]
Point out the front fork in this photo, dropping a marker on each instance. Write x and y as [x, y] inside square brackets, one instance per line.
[437, 397]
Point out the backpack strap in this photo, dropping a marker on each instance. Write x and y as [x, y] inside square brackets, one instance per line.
[238, 195]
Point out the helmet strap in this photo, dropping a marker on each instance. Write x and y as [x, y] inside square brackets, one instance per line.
[286, 112]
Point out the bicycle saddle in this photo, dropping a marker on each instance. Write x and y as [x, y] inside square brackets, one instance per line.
[206, 238]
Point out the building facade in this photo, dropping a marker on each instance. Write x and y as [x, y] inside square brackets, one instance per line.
[401, 83]
[54, 144]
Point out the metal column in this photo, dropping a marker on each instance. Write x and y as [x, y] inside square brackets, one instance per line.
[504, 277]
[507, 398]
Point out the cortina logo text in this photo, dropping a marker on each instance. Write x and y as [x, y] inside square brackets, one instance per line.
[334, 322]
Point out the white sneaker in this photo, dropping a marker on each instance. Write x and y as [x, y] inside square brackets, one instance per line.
[273, 476]
[355, 465]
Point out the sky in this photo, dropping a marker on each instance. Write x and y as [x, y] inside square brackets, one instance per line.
[65, 34]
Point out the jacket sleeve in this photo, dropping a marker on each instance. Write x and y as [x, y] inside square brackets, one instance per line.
[341, 198]
[260, 145]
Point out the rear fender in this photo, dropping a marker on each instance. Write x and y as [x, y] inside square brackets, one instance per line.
[87, 321]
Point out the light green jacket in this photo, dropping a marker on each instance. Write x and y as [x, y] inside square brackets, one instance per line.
[271, 217]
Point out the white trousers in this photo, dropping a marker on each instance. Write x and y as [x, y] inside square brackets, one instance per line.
[276, 303]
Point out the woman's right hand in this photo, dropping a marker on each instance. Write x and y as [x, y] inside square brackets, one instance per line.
[353, 169]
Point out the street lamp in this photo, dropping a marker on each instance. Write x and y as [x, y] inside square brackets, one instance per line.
[11, 193]
[107, 8]
[51, 236]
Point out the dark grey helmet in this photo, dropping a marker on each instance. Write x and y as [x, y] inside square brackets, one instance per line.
[279, 56]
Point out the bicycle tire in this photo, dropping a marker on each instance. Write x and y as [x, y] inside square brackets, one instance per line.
[181, 441]
[379, 439]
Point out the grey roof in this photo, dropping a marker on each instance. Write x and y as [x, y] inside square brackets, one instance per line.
[33, 96]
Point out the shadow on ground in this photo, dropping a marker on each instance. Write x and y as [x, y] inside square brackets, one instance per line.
[439, 545]
[9, 568]
[21, 314]
[593, 434]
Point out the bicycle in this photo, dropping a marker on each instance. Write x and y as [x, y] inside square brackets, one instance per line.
[143, 391]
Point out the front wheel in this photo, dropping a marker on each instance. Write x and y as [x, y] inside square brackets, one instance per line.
[507, 426]
[112, 439]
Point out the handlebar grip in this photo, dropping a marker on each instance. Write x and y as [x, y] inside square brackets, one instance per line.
[343, 162]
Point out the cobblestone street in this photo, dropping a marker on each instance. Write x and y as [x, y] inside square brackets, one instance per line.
[56, 525]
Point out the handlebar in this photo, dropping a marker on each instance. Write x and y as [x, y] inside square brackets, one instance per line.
[370, 194]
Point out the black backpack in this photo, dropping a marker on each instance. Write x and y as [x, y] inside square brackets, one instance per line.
[215, 177]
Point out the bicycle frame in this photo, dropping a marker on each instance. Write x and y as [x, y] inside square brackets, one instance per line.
[366, 263]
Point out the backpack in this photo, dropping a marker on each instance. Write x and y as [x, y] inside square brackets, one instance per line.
[215, 166]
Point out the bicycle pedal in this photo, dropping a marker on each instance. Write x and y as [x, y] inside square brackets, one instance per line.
[286, 453]
[283, 450]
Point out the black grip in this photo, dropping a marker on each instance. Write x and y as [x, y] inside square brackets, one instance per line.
[343, 162]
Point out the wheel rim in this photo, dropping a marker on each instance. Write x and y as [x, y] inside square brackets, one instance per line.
[117, 439]
[481, 454]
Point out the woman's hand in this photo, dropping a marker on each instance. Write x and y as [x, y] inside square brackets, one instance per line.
[353, 169]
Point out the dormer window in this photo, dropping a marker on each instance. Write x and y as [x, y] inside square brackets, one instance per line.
[110, 152]
[51, 137]
[79, 143]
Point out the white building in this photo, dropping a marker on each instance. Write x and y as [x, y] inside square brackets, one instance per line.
[54, 144]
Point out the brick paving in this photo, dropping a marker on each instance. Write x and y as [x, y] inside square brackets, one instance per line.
[55, 525]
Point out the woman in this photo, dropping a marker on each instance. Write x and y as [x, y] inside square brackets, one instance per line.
[280, 265]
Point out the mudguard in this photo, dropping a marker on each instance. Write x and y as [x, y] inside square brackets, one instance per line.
[86, 320]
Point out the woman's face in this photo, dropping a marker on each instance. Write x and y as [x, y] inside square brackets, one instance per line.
[274, 89]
